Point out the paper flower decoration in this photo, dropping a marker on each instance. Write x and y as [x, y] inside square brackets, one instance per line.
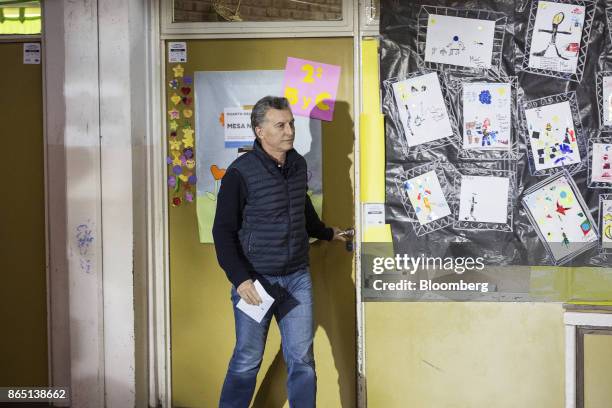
[175, 99]
[186, 90]
[174, 114]
[178, 71]
[176, 161]
[188, 80]
[176, 201]
[187, 113]
[173, 125]
[187, 100]
[188, 141]
[189, 196]
[177, 169]
[173, 84]
[188, 133]
[171, 181]
[175, 144]
[190, 163]
[183, 178]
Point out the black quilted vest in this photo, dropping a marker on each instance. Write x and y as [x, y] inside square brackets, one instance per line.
[273, 233]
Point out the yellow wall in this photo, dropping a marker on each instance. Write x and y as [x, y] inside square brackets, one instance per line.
[23, 310]
[597, 371]
[464, 355]
[201, 313]
[461, 355]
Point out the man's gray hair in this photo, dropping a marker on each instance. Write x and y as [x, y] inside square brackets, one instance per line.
[258, 114]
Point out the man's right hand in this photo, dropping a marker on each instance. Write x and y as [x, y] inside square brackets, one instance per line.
[248, 293]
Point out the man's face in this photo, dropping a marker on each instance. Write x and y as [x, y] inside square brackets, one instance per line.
[277, 131]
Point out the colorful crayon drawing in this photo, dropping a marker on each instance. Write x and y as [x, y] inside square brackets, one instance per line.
[606, 223]
[487, 116]
[561, 217]
[426, 197]
[601, 162]
[606, 101]
[556, 37]
[552, 136]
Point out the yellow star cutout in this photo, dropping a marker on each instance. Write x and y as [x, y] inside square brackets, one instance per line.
[173, 125]
[188, 141]
[178, 71]
[175, 144]
[176, 158]
[188, 133]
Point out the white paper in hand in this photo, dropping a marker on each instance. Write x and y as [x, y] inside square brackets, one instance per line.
[257, 312]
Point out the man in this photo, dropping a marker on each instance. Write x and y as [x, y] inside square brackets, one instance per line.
[263, 221]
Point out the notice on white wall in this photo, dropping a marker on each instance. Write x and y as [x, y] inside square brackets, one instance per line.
[31, 53]
[237, 123]
[177, 51]
[374, 214]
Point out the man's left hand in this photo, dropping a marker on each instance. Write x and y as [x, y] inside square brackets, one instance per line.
[339, 235]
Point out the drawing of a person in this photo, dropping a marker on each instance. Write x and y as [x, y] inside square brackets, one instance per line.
[486, 132]
[473, 203]
[556, 22]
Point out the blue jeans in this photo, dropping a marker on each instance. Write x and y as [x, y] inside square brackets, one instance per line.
[293, 312]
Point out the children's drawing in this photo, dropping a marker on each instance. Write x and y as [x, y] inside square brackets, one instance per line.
[486, 116]
[552, 136]
[601, 171]
[484, 199]
[466, 42]
[605, 221]
[421, 108]
[604, 96]
[426, 197]
[560, 216]
[556, 37]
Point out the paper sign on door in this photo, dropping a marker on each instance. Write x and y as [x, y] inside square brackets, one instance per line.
[311, 88]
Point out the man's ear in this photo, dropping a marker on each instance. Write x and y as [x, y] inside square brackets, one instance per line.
[258, 131]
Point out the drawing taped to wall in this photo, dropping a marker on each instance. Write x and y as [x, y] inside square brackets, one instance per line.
[553, 133]
[459, 41]
[427, 198]
[484, 199]
[563, 221]
[487, 116]
[604, 99]
[557, 38]
[605, 223]
[600, 164]
[422, 110]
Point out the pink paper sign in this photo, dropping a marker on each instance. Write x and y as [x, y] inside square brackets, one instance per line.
[311, 88]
